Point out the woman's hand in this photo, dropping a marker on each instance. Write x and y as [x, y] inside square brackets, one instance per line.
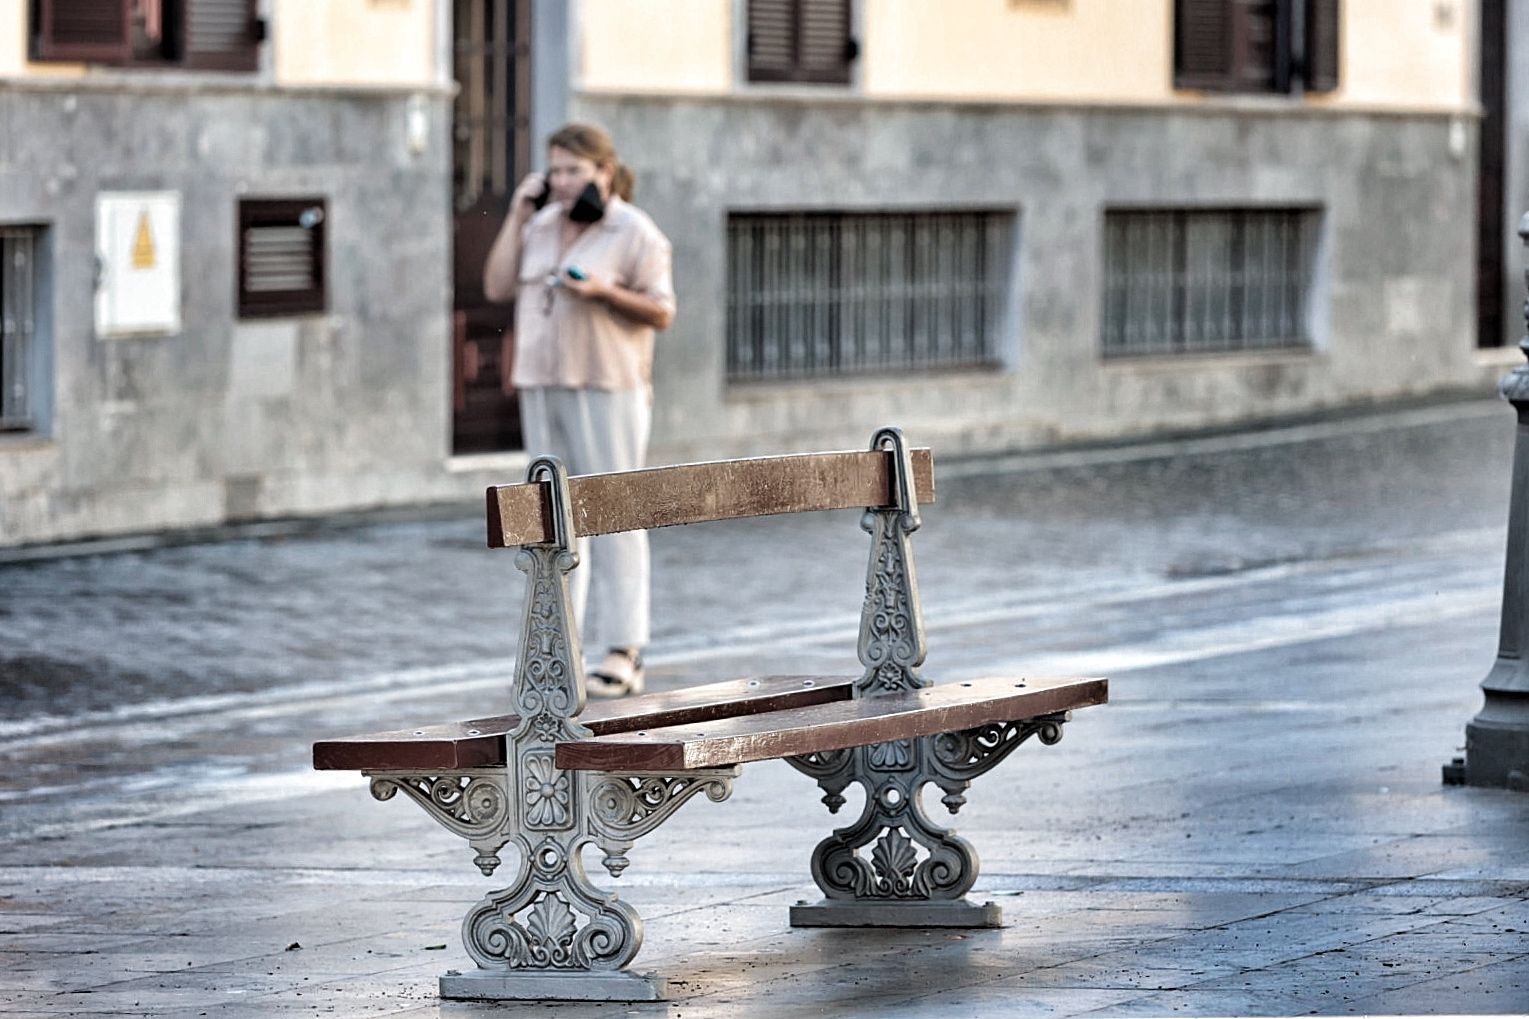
[629, 303]
[590, 288]
[523, 201]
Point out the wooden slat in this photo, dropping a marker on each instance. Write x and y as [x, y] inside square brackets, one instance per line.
[948, 707]
[480, 743]
[692, 493]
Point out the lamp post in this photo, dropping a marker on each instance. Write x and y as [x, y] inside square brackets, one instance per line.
[1497, 739]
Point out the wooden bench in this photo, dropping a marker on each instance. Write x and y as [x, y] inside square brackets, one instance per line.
[556, 774]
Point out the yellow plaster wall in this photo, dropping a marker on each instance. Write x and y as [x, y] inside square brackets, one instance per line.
[13, 47]
[1396, 54]
[354, 42]
[656, 45]
[1409, 54]
[1035, 50]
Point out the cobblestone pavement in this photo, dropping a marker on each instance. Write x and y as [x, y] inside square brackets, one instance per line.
[1294, 623]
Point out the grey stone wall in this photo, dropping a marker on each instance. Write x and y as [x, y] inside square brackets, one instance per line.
[233, 419]
[1394, 301]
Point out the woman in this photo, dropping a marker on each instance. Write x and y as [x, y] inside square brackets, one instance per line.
[590, 276]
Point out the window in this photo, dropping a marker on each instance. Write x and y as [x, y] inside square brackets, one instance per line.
[1256, 45]
[20, 354]
[1212, 281]
[800, 41]
[282, 263]
[814, 295]
[212, 35]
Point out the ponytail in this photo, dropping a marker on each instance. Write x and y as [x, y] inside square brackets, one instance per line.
[623, 181]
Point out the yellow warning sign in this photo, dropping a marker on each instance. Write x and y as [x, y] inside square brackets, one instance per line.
[143, 243]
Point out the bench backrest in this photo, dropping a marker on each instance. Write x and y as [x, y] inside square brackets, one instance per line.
[692, 493]
[545, 515]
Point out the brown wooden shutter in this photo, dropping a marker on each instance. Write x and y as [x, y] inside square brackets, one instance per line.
[220, 35]
[1323, 28]
[81, 30]
[800, 40]
[824, 44]
[772, 40]
[1202, 44]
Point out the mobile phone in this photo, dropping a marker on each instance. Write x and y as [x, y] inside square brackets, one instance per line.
[575, 273]
[540, 201]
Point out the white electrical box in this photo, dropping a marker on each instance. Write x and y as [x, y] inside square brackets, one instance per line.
[138, 285]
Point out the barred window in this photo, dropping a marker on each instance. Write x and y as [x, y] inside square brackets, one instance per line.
[19, 345]
[814, 295]
[1207, 281]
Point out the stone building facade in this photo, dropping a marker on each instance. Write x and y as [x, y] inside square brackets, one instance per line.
[1001, 226]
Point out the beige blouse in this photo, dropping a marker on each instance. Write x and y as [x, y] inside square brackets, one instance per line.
[564, 340]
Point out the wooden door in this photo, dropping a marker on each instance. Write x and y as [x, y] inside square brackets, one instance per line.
[491, 148]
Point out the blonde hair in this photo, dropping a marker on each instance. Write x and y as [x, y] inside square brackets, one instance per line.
[590, 142]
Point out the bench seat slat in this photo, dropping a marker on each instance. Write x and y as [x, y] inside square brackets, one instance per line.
[947, 707]
[692, 493]
[480, 743]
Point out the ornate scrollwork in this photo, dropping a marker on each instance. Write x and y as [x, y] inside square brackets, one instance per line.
[958, 757]
[912, 857]
[473, 804]
[623, 808]
[549, 682]
[547, 791]
[893, 861]
[891, 622]
[893, 755]
[553, 918]
[833, 770]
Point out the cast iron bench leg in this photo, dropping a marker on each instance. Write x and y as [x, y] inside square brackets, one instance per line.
[551, 933]
[919, 872]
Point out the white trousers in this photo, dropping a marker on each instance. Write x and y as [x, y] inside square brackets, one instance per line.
[593, 431]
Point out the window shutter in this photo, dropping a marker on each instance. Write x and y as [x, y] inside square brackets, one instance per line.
[1323, 28]
[771, 40]
[825, 47]
[81, 30]
[220, 35]
[1203, 44]
[800, 40]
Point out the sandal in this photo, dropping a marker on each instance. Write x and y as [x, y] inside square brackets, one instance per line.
[619, 675]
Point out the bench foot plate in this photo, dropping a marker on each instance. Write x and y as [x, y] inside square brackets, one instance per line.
[948, 913]
[618, 985]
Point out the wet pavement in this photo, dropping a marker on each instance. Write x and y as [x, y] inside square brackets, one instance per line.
[1294, 623]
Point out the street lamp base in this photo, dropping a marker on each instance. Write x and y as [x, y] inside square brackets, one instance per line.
[1496, 756]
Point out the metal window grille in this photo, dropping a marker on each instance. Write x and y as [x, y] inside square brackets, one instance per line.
[491, 119]
[18, 344]
[814, 295]
[1202, 282]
